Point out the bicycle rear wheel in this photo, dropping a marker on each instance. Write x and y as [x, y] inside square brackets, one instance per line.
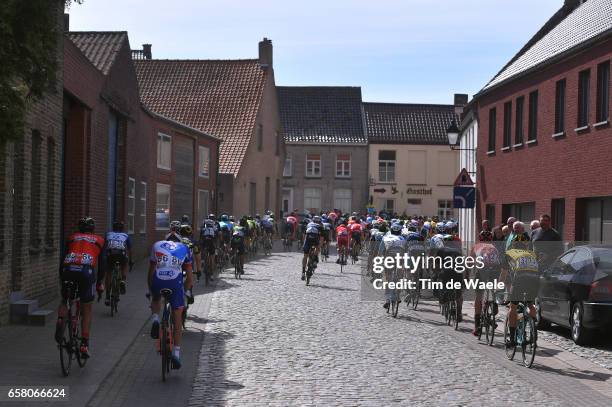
[395, 308]
[491, 324]
[75, 338]
[510, 350]
[164, 348]
[66, 348]
[529, 345]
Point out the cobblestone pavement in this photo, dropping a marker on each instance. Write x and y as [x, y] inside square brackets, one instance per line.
[599, 353]
[275, 341]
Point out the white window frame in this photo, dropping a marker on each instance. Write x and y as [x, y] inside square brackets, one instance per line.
[143, 204]
[288, 172]
[385, 202]
[157, 204]
[312, 196]
[161, 138]
[315, 164]
[445, 208]
[344, 198]
[203, 151]
[345, 163]
[131, 205]
[386, 168]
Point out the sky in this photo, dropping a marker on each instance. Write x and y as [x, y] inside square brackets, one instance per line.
[403, 51]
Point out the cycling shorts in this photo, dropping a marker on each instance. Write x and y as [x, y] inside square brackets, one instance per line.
[177, 298]
[115, 256]
[85, 277]
[311, 240]
[208, 244]
[226, 235]
[289, 228]
[356, 236]
[238, 244]
[343, 241]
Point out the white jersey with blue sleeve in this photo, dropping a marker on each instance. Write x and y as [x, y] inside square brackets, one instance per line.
[169, 258]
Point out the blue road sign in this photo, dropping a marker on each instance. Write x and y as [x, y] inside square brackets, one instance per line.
[464, 197]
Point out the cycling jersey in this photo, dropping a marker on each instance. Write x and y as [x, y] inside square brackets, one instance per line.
[313, 235]
[355, 227]
[169, 259]
[208, 231]
[392, 243]
[83, 249]
[118, 241]
[237, 241]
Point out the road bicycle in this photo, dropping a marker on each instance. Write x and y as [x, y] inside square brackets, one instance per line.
[354, 251]
[526, 335]
[311, 264]
[342, 257]
[394, 297]
[223, 258]
[114, 288]
[488, 314]
[166, 337]
[325, 251]
[69, 346]
[450, 310]
[267, 244]
[235, 257]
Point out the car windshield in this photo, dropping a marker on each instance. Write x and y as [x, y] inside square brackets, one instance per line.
[604, 259]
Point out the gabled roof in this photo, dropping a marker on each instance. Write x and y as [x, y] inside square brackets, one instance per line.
[321, 114]
[218, 97]
[408, 123]
[568, 30]
[100, 47]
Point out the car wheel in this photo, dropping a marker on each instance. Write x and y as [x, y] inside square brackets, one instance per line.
[540, 322]
[580, 334]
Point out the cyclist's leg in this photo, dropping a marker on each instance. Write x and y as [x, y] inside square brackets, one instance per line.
[512, 320]
[87, 289]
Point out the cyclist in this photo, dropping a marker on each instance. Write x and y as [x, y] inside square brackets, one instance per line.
[312, 239]
[356, 231]
[82, 251]
[238, 241]
[267, 225]
[208, 242]
[290, 226]
[492, 267]
[225, 229]
[167, 262]
[251, 232]
[342, 240]
[327, 228]
[186, 234]
[391, 244]
[174, 235]
[118, 249]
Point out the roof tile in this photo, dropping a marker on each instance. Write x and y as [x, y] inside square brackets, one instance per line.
[100, 47]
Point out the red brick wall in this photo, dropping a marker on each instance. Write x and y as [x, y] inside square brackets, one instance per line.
[570, 167]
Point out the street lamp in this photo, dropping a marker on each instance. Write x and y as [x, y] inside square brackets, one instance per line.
[453, 137]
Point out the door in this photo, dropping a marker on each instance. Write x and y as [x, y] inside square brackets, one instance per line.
[549, 285]
[287, 200]
[111, 182]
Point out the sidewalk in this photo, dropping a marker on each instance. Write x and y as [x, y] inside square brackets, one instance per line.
[30, 356]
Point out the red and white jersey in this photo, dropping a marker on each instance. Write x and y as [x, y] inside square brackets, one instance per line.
[84, 249]
[341, 231]
[291, 219]
[355, 227]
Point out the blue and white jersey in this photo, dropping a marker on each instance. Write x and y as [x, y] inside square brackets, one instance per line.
[226, 225]
[313, 229]
[169, 258]
[208, 230]
[326, 226]
[118, 241]
[436, 241]
[392, 244]
[266, 222]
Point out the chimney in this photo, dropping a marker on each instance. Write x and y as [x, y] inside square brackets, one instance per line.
[66, 22]
[146, 51]
[461, 100]
[265, 53]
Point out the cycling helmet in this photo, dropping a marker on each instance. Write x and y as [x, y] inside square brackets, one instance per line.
[232, 219]
[257, 216]
[440, 228]
[396, 229]
[118, 226]
[224, 218]
[243, 222]
[175, 225]
[185, 230]
[211, 216]
[271, 216]
[87, 225]
[324, 217]
[185, 220]
[413, 236]
[427, 225]
[316, 219]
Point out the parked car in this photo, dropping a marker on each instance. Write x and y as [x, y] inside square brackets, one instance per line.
[576, 292]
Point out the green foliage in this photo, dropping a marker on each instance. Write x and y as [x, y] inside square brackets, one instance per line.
[29, 39]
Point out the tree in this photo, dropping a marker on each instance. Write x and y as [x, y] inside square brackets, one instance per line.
[29, 40]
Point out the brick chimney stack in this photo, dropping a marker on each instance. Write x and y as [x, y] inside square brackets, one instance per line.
[265, 53]
[461, 100]
[146, 51]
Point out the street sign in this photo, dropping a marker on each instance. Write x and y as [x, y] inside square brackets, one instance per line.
[464, 179]
[464, 197]
[371, 209]
[381, 190]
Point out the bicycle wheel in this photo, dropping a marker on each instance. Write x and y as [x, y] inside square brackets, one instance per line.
[76, 341]
[114, 292]
[528, 348]
[416, 293]
[164, 346]
[66, 348]
[395, 306]
[456, 316]
[491, 324]
[510, 350]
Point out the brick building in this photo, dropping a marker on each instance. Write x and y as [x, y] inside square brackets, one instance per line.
[30, 189]
[544, 129]
[234, 100]
[411, 168]
[326, 159]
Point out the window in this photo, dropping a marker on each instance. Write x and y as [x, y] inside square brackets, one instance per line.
[492, 128]
[342, 200]
[203, 199]
[267, 194]
[388, 206]
[507, 124]
[143, 207]
[278, 143]
[259, 137]
[490, 214]
[445, 209]
[252, 197]
[204, 162]
[560, 107]
[343, 165]
[558, 214]
[386, 166]
[288, 168]
[35, 187]
[162, 207]
[533, 116]
[50, 190]
[164, 150]
[603, 91]
[312, 199]
[131, 205]
[313, 165]
[518, 132]
[583, 98]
